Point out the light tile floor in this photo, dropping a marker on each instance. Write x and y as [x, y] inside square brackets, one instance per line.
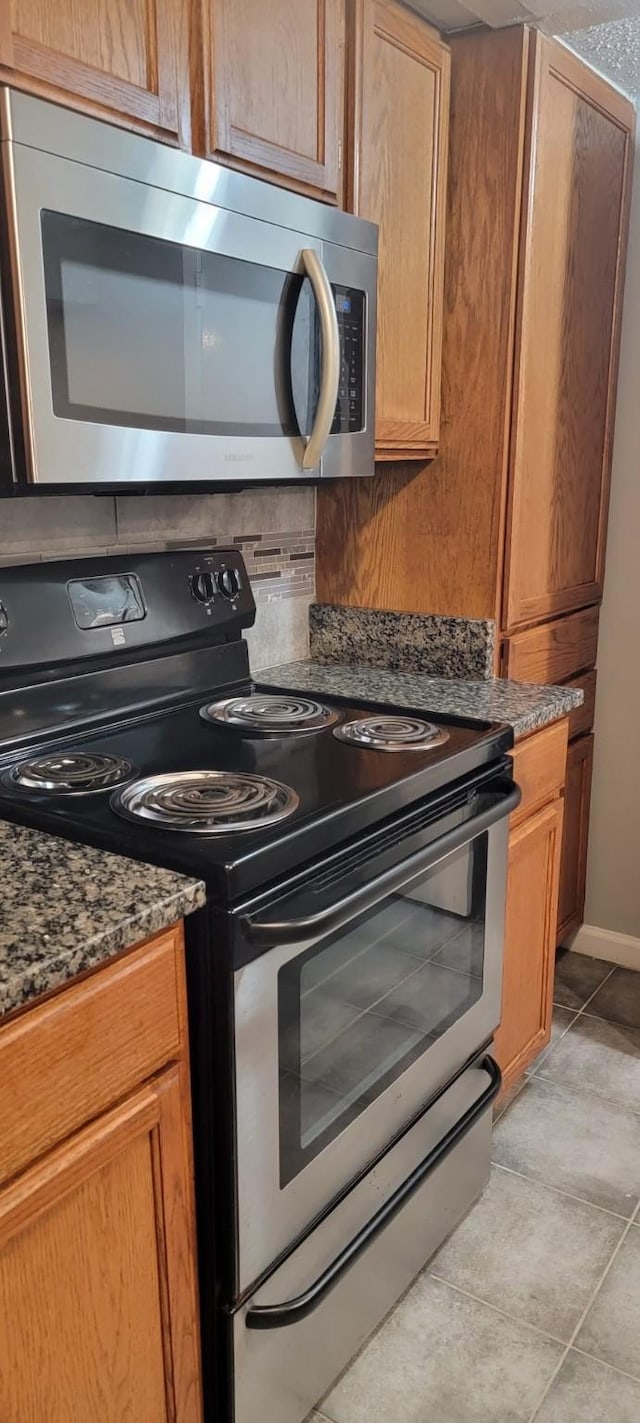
[531, 1310]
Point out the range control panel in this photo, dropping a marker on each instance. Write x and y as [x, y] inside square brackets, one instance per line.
[60, 612]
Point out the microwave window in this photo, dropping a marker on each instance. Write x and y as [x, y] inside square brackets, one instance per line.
[152, 334]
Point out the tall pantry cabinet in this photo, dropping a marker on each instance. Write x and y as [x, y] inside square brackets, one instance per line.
[509, 521]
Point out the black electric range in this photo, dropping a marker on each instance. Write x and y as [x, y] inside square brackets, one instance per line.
[344, 977]
[70, 689]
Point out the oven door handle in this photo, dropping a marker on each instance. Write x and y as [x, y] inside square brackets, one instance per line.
[330, 376]
[266, 934]
[277, 1316]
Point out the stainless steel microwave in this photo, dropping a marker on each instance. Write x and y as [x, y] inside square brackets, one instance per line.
[166, 321]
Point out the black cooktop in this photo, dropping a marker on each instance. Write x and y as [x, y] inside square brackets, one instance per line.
[341, 789]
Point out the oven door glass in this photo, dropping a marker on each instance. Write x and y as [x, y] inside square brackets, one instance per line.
[356, 1010]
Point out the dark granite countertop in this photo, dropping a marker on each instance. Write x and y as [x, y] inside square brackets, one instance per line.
[65, 908]
[523, 705]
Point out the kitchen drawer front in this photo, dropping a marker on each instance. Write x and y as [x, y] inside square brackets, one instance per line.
[539, 768]
[282, 1370]
[555, 651]
[71, 1057]
[581, 719]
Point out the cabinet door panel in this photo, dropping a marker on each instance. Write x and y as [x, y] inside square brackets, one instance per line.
[573, 873]
[574, 242]
[399, 114]
[530, 940]
[98, 1314]
[120, 59]
[277, 88]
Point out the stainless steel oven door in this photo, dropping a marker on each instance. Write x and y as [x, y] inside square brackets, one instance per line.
[353, 1020]
[163, 337]
[304, 1324]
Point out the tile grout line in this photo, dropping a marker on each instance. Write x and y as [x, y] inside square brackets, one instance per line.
[568, 1006]
[541, 1076]
[584, 1354]
[590, 1302]
[577, 1091]
[551, 1046]
[487, 1304]
[568, 1195]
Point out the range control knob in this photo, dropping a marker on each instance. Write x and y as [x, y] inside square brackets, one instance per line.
[203, 587]
[228, 583]
[4, 619]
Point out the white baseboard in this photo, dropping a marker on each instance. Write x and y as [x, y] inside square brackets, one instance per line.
[605, 944]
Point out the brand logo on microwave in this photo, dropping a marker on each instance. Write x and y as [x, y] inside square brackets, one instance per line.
[238, 459]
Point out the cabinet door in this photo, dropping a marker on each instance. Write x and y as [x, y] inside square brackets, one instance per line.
[275, 90]
[530, 940]
[397, 161]
[572, 267]
[122, 60]
[573, 873]
[98, 1310]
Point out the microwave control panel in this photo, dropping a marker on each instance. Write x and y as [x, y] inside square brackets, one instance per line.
[350, 310]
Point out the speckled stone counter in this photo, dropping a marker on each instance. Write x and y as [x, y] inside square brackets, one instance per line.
[367, 637]
[65, 909]
[523, 705]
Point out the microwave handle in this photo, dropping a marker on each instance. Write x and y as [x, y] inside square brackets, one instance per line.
[330, 374]
[266, 935]
[276, 1316]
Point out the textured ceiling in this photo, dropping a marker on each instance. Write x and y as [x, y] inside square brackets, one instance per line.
[605, 32]
[613, 49]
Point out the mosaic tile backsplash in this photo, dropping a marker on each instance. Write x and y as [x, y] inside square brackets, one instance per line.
[274, 527]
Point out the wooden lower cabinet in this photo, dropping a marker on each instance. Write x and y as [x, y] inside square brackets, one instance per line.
[98, 1301]
[535, 849]
[530, 940]
[573, 874]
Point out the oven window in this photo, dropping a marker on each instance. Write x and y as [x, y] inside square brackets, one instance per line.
[156, 335]
[357, 1010]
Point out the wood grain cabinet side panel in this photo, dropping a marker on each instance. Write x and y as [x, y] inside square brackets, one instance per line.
[571, 280]
[399, 76]
[530, 940]
[274, 85]
[573, 873]
[581, 720]
[125, 60]
[98, 1304]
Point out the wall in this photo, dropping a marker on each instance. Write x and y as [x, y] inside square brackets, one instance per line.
[613, 883]
[274, 526]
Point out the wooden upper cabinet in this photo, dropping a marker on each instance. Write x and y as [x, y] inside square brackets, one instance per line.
[123, 60]
[273, 81]
[571, 277]
[398, 123]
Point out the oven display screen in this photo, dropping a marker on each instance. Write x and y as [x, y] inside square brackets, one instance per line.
[105, 602]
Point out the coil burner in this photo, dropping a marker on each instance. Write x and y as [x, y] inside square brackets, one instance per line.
[392, 733]
[270, 715]
[70, 773]
[206, 802]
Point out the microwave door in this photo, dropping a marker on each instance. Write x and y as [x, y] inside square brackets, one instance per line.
[157, 334]
[350, 447]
